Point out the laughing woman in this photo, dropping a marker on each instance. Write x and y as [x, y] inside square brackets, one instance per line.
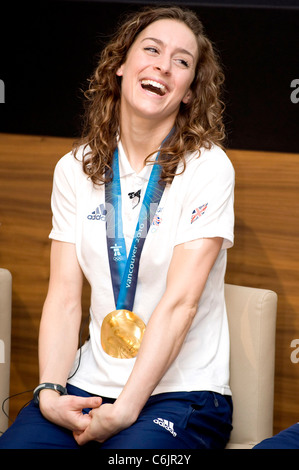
[143, 207]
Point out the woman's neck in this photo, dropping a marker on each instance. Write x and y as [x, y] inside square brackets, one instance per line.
[141, 139]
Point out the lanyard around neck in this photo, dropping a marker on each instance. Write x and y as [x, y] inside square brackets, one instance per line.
[124, 270]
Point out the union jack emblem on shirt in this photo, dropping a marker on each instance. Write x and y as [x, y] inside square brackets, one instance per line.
[156, 220]
[199, 211]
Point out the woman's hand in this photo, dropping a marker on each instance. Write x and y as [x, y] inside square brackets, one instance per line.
[105, 421]
[66, 410]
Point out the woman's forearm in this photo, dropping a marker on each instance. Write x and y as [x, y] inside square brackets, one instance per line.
[61, 317]
[58, 341]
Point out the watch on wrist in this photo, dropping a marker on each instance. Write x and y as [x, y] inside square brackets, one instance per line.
[46, 385]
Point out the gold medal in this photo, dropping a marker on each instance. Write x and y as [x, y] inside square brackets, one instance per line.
[121, 334]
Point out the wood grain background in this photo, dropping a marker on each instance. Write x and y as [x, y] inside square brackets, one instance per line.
[266, 251]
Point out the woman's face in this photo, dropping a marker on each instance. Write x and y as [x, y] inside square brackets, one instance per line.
[158, 71]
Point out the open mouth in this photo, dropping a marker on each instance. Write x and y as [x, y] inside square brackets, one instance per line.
[153, 87]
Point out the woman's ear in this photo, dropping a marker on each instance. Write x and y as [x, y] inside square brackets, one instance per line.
[187, 97]
[119, 71]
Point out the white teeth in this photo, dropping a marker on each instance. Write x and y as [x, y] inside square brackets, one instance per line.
[154, 84]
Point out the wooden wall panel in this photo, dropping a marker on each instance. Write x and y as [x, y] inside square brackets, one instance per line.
[266, 251]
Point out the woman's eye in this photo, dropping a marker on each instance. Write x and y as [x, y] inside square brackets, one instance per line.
[183, 62]
[151, 49]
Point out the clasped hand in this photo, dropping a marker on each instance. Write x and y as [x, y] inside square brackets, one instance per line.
[104, 423]
[99, 424]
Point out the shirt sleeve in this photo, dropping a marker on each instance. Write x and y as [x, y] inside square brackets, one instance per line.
[63, 202]
[208, 205]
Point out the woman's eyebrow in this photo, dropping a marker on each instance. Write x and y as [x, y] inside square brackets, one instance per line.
[161, 43]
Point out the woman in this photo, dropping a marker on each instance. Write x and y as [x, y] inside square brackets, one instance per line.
[147, 200]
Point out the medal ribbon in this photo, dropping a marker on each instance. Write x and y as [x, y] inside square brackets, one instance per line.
[124, 271]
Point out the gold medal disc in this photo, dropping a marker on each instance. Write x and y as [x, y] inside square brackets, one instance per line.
[121, 334]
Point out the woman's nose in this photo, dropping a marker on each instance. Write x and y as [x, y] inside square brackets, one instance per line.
[163, 65]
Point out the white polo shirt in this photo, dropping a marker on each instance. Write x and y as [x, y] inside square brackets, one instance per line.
[198, 204]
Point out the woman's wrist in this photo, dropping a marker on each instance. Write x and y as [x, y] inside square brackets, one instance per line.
[125, 412]
[47, 400]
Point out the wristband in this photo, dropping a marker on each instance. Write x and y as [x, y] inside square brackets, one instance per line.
[56, 387]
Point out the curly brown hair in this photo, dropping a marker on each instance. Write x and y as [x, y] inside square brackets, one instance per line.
[198, 123]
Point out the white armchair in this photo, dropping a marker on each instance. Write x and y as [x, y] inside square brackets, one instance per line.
[252, 324]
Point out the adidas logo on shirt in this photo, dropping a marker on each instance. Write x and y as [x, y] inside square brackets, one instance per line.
[98, 214]
[168, 425]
